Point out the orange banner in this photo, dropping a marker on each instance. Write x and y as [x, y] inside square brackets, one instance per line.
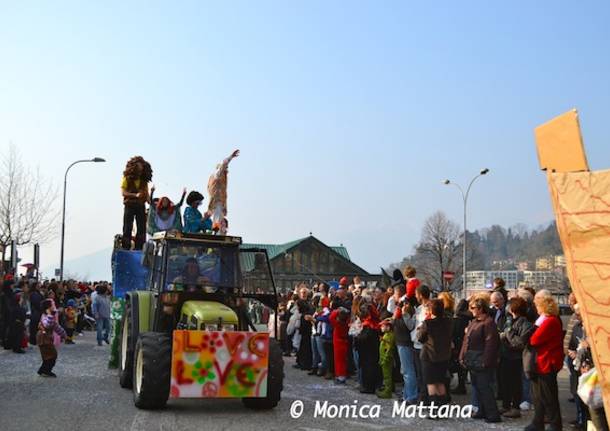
[582, 206]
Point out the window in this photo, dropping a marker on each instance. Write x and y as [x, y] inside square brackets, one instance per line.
[256, 276]
[194, 266]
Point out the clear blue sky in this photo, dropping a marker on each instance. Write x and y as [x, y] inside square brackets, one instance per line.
[348, 114]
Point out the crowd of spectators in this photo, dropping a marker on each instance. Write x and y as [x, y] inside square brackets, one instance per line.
[79, 306]
[508, 345]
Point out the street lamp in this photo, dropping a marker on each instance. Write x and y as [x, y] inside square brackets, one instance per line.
[465, 200]
[63, 214]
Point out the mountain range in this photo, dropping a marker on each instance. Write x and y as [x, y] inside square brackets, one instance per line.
[90, 267]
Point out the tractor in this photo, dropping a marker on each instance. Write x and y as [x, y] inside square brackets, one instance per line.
[189, 335]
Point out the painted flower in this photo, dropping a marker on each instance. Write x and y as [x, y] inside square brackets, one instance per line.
[212, 342]
[203, 373]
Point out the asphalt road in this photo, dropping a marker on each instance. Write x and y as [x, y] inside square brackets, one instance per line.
[86, 396]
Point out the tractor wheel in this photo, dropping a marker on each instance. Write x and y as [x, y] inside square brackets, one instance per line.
[126, 350]
[151, 370]
[275, 380]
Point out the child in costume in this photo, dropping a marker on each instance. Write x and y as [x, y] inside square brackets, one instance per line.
[49, 336]
[217, 189]
[70, 318]
[134, 188]
[194, 221]
[163, 215]
[386, 359]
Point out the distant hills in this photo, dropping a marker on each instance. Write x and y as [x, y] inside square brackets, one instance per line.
[91, 267]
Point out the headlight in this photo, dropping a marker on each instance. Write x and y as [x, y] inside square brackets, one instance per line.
[229, 327]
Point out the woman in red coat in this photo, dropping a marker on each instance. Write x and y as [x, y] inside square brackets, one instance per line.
[547, 343]
[339, 322]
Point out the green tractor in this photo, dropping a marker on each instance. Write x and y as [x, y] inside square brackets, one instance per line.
[189, 335]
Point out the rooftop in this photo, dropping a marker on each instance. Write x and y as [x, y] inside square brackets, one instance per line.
[274, 250]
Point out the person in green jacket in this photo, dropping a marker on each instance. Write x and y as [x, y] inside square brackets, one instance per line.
[386, 359]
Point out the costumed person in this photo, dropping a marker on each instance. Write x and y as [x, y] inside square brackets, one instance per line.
[134, 187]
[386, 359]
[217, 189]
[194, 221]
[339, 319]
[50, 334]
[164, 215]
[70, 318]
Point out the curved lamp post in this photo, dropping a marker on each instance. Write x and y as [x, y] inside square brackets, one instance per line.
[63, 213]
[465, 200]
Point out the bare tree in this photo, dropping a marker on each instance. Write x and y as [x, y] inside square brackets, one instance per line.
[27, 203]
[438, 249]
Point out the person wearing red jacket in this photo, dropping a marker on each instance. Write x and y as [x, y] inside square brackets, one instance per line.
[547, 342]
[339, 321]
[411, 284]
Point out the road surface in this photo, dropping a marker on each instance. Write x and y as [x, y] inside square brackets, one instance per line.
[86, 396]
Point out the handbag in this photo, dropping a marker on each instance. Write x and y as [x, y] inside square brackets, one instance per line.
[590, 389]
[473, 360]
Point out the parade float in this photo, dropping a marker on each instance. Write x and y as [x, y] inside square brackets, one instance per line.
[185, 331]
[182, 328]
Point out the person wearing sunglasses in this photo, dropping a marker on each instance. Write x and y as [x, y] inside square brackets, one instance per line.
[479, 355]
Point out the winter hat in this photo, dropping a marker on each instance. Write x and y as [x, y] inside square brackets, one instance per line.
[71, 303]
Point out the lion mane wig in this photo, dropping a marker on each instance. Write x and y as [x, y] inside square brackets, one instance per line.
[131, 171]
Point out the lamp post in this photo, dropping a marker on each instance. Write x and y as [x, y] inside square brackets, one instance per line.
[63, 213]
[465, 200]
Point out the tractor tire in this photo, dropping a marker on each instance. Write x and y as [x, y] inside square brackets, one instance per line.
[275, 380]
[151, 370]
[126, 349]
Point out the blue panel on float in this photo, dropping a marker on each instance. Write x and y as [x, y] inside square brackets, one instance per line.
[128, 273]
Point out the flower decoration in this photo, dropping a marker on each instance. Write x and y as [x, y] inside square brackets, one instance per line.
[203, 373]
[211, 342]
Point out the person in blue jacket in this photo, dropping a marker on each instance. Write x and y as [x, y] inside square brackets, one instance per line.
[194, 221]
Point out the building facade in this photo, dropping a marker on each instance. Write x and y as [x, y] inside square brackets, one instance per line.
[309, 260]
[544, 264]
[482, 281]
